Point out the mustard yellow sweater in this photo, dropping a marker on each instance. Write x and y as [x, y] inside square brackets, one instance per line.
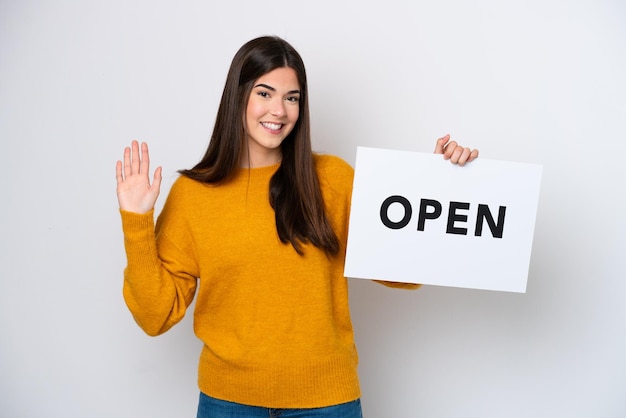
[275, 325]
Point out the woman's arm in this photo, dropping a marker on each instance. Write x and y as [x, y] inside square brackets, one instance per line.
[157, 285]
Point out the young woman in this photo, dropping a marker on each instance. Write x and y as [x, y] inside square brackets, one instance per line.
[257, 232]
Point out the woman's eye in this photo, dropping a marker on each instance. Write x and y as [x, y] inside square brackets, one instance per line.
[294, 99]
[263, 94]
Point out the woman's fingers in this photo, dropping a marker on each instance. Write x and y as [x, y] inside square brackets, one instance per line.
[156, 180]
[126, 170]
[454, 152]
[441, 142]
[135, 192]
[119, 177]
[135, 161]
[144, 163]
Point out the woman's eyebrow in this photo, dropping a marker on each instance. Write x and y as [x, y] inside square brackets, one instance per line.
[270, 88]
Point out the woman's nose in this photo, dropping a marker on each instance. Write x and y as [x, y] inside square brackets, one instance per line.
[278, 108]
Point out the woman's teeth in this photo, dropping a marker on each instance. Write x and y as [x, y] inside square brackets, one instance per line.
[272, 126]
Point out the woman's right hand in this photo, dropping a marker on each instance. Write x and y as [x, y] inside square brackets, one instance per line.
[134, 191]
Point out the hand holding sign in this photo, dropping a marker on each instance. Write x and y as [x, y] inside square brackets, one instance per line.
[452, 151]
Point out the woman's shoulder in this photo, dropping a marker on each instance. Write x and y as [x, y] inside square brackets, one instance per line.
[332, 166]
[335, 175]
[182, 184]
[185, 191]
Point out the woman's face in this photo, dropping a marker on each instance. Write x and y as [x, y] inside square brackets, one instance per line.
[272, 112]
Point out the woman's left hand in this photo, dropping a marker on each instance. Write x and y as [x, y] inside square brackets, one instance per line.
[452, 151]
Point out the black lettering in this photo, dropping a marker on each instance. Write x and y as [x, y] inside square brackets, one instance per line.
[384, 208]
[424, 214]
[484, 213]
[454, 217]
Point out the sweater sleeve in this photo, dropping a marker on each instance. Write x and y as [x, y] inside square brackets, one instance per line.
[159, 279]
[399, 285]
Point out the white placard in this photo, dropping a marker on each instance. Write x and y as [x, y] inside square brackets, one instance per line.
[417, 218]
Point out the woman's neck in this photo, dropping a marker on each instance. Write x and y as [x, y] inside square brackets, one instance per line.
[262, 160]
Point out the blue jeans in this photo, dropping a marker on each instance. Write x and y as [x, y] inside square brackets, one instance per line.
[215, 408]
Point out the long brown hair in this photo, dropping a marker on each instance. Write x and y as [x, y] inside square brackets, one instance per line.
[294, 189]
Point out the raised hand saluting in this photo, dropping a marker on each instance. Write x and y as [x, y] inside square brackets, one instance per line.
[452, 151]
[134, 191]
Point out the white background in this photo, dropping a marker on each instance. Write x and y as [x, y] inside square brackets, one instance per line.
[539, 81]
